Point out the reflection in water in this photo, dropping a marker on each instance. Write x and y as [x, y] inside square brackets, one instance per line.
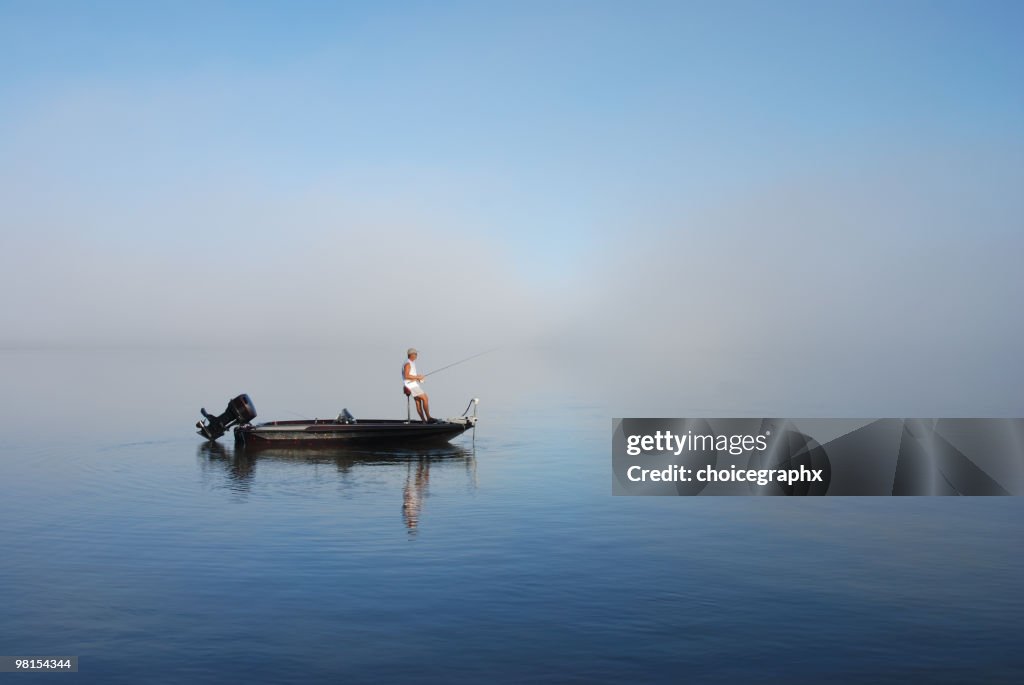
[239, 466]
[414, 492]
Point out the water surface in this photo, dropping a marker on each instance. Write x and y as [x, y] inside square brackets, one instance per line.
[157, 558]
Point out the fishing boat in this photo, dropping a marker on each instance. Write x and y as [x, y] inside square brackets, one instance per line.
[343, 430]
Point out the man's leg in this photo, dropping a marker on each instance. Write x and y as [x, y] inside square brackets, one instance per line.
[426, 405]
[419, 407]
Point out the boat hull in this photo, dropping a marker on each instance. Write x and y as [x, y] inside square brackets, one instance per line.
[325, 432]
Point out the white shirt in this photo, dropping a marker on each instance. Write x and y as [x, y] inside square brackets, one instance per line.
[412, 372]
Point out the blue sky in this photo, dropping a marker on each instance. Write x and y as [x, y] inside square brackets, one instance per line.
[543, 152]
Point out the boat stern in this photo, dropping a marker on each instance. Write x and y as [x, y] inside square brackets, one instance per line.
[240, 411]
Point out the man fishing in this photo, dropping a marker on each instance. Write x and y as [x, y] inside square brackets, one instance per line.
[413, 387]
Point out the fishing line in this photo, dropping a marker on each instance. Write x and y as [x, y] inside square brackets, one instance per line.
[479, 354]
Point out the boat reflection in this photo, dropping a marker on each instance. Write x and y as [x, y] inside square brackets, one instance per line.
[240, 465]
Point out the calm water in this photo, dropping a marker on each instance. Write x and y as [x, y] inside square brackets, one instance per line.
[157, 559]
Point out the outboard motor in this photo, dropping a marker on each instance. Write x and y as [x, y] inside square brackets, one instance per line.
[240, 411]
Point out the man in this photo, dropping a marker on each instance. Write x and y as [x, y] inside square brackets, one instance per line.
[412, 386]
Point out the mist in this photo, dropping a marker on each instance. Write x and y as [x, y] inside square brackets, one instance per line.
[839, 236]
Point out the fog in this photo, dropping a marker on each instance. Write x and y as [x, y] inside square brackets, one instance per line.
[893, 290]
[693, 241]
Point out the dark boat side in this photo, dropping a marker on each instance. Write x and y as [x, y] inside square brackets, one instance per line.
[333, 432]
[344, 430]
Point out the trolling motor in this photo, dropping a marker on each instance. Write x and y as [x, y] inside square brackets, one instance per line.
[240, 411]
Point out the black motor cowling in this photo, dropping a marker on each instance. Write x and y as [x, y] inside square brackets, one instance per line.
[240, 411]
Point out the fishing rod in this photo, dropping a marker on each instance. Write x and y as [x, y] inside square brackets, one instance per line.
[479, 354]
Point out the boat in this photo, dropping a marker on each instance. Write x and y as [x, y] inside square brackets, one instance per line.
[340, 431]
